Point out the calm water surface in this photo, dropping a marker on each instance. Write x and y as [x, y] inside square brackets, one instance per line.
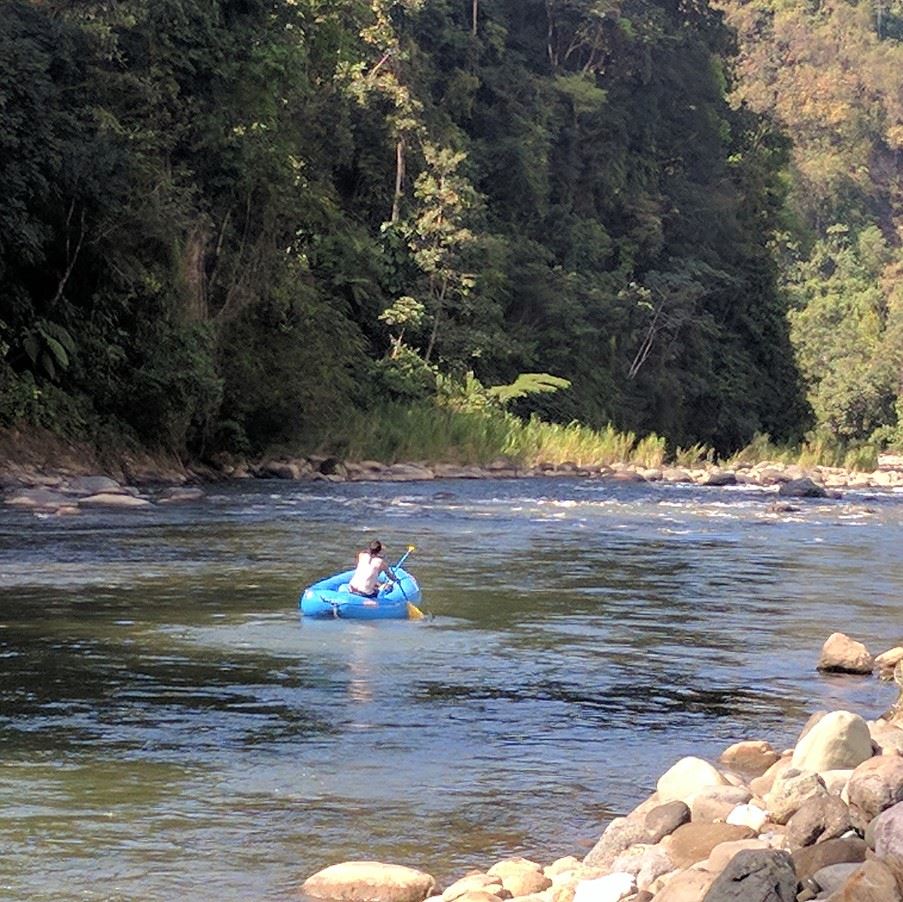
[170, 728]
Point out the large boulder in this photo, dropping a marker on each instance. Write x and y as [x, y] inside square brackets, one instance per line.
[755, 875]
[875, 785]
[802, 488]
[719, 478]
[723, 853]
[690, 886]
[715, 803]
[817, 820]
[525, 882]
[694, 842]
[369, 881]
[750, 757]
[887, 832]
[665, 819]
[841, 654]
[621, 833]
[840, 739]
[887, 736]
[810, 859]
[887, 661]
[510, 866]
[873, 881]
[834, 876]
[761, 786]
[790, 791]
[92, 485]
[686, 778]
[655, 862]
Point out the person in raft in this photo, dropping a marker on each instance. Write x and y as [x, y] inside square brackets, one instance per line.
[370, 565]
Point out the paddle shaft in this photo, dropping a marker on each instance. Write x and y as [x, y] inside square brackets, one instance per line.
[403, 558]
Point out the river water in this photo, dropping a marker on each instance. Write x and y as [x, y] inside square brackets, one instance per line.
[170, 728]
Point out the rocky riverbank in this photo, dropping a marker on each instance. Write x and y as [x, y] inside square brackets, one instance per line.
[822, 820]
[50, 476]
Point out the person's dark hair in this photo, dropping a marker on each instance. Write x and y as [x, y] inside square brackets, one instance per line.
[375, 547]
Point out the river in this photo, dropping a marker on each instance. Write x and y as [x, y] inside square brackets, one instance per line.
[171, 728]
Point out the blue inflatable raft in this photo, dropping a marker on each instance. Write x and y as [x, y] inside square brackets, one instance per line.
[332, 597]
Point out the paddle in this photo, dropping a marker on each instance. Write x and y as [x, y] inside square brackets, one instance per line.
[404, 557]
[414, 613]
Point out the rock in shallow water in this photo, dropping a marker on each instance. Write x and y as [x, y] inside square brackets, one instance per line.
[118, 501]
[841, 654]
[369, 881]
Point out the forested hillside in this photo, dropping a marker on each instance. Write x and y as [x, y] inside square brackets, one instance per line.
[231, 223]
[830, 74]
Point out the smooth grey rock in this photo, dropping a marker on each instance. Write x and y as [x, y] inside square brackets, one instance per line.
[665, 819]
[802, 488]
[817, 820]
[833, 876]
[719, 478]
[620, 834]
[92, 485]
[755, 875]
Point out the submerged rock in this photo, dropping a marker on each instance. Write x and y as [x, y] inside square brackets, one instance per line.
[180, 494]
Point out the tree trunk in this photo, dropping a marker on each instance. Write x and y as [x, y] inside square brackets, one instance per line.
[476, 10]
[399, 180]
[193, 266]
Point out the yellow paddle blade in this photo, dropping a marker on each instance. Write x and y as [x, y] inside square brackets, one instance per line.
[414, 613]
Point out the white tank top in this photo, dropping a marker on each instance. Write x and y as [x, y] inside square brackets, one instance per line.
[366, 575]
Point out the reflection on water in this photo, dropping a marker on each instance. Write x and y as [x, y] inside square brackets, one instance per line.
[169, 727]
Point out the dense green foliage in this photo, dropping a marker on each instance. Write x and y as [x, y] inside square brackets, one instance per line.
[829, 74]
[232, 223]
